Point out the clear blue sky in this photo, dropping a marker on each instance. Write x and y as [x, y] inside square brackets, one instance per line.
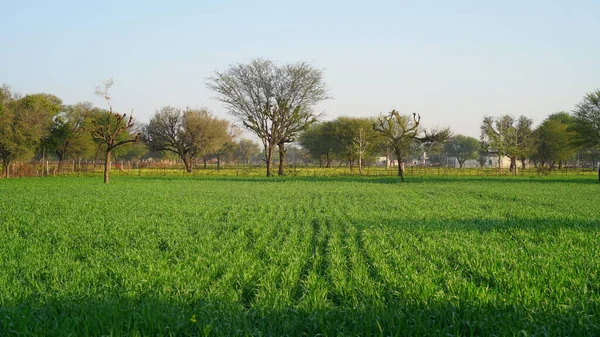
[451, 61]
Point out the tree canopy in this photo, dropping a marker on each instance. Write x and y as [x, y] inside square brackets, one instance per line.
[554, 140]
[24, 122]
[463, 148]
[587, 119]
[188, 133]
[507, 136]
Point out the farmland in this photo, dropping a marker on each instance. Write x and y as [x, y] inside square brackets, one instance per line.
[463, 255]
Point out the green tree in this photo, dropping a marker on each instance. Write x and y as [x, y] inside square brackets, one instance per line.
[274, 102]
[24, 122]
[555, 140]
[402, 131]
[227, 145]
[507, 136]
[353, 139]
[463, 148]
[131, 151]
[189, 133]
[68, 137]
[245, 150]
[319, 140]
[587, 120]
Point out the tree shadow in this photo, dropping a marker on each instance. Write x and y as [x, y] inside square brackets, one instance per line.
[392, 180]
[153, 315]
[509, 223]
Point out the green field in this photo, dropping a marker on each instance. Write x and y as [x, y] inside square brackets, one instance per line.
[441, 256]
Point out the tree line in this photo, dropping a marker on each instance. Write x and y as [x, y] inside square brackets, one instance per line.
[558, 139]
[41, 126]
[277, 104]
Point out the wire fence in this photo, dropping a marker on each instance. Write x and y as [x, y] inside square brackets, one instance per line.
[174, 168]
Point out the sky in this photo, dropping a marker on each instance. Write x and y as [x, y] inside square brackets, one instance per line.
[453, 62]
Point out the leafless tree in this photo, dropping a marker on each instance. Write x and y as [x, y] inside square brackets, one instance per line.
[114, 130]
[401, 131]
[359, 147]
[274, 102]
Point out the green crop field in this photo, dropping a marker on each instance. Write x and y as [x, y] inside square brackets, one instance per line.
[437, 256]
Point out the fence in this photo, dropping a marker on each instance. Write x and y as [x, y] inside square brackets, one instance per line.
[174, 168]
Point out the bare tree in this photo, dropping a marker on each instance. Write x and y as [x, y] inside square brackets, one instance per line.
[113, 130]
[273, 102]
[401, 131]
[359, 147]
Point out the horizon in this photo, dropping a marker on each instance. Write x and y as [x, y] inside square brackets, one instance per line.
[460, 63]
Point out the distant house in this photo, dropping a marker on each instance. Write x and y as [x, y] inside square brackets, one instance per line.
[381, 161]
[422, 161]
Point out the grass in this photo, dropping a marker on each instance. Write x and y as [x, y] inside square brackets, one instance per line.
[436, 256]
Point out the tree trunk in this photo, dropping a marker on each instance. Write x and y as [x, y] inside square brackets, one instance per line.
[61, 155]
[106, 167]
[387, 161]
[560, 164]
[523, 164]
[60, 163]
[269, 159]
[43, 161]
[360, 166]
[500, 164]
[188, 163]
[513, 166]
[282, 152]
[598, 173]
[218, 162]
[204, 159]
[460, 163]
[96, 159]
[6, 168]
[400, 168]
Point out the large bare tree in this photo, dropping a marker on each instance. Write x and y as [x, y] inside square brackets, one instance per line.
[188, 133]
[401, 131]
[113, 130]
[275, 102]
